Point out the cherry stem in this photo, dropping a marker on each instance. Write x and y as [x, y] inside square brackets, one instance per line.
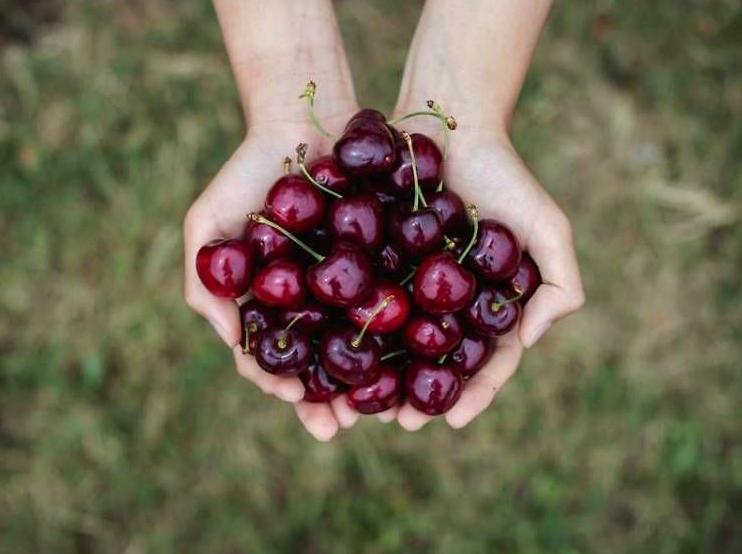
[497, 306]
[448, 122]
[393, 354]
[409, 276]
[474, 217]
[286, 165]
[308, 249]
[249, 328]
[282, 338]
[356, 342]
[309, 93]
[418, 193]
[301, 153]
[443, 358]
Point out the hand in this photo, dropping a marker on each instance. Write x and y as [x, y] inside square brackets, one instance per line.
[484, 169]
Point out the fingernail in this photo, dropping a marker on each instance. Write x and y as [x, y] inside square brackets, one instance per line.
[538, 333]
[221, 332]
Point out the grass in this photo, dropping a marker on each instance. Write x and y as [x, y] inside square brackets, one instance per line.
[123, 427]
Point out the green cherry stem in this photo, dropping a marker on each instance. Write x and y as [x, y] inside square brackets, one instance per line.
[474, 217]
[301, 154]
[418, 193]
[385, 357]
[443, 358]
[448, 122]
[286, 165]
[409, 276]
[497, 306]
[304, 246]
[310, 91]
[249, 328]
[356, 342]
[282, 338]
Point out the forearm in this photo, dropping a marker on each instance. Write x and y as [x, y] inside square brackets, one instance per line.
[472, 57]
[275, 47]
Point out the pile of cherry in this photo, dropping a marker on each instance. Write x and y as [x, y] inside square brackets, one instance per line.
[368, 278]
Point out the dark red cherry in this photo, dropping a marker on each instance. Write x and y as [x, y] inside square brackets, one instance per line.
[388, 343]
[391, 318]
[431, 388]
[431, 336]
[283, 351]
[295, 204]
[266, 242]
[342, 278]
[280, 284]
[255, 317]
[318, 385]
[496, 254]
[472, 353]
[527, 279]
[358, 219]
[428, 158]
[380, 395]
[318, 238]
[441, 285]
[451, 211]
[416, 233]
[325, 171]
[494, 311]
[366, 145]
[311, 317]
[389, 260]
[348, 360]
[225, 267]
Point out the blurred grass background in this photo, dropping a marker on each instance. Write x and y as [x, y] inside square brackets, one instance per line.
[123, 427]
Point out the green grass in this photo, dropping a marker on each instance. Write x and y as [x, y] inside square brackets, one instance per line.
[123, 426]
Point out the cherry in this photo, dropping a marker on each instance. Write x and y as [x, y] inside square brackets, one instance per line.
[313, 317]
[366, 145]
[389, 319]
[318, 385]
[389, 260]
[432, 336]
[358, 219]
[319, 239]
[325, 171]
[267, 243]
[283, 352]
[417, 233]
[380, 395]
[429, 161]
[280, 284]
[472, 353]
[255, 317]
[494, 311]
[431, 388]
[295, 204]
[225, 267]
[451, 211]
[342, 278]
[441, 285]
[496, 254]
[527, 279]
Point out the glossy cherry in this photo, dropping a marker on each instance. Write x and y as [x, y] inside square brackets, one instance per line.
[451, 211]
[389, 319]
[494, 311]
[351, 361]
[255, 317]
[367, 145]
[358, 219]
[318, 385]
[266, 242]
[378, 396]
[280, 284]
[472, 353]
[389, 260]
[225, 267]
[325, 171]
[311, 317]
[496, 254]
[428, 158]
[432, 336]
[417, 233]
[342, 278]
[441, 285]
[432, 388]
[295, 204]
[527, 279]
[284, 352]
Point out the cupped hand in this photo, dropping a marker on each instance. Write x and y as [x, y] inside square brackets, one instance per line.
[485, 170]
[221, 212]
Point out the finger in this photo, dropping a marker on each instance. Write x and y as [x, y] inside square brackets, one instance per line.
[318, 419]
[481, 389]
[561, 292]
[344, 414]
[411, 419]
[289, 389]
[389, 415]
[222, 313]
